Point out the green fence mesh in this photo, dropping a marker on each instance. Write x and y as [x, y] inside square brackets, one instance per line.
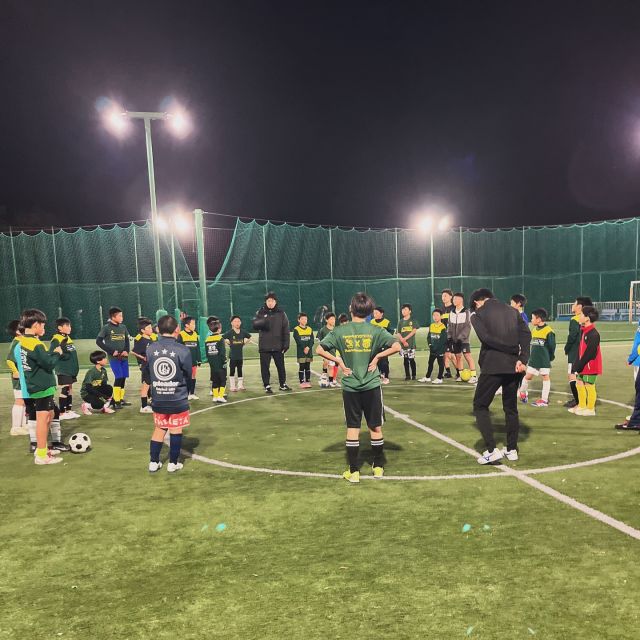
[81, 274]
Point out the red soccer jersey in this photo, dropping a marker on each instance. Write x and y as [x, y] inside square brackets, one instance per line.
[589, 355]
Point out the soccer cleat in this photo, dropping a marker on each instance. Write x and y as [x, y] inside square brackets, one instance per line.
[378, 472]
[585, 412]
[333, 384]
[625, 426]
[437, 381]
[117, 406]
[221, 400]
[487, 457]
[146, 409]
[32, 447]
[155, 466]
[59, 446]
[540, 403]
[53, 452]
[510, 454]
[19, 431]
[472, 380]
[48, 459]
[352, 476]
[424, 379]
[569, 404]
[124, 403]
[172, 467]
[107, 409]
[448, 374]
[524, 397]
[268, 390]
[458, 379]
[86, 409]
[66, 416]
[285, 387]
[574, 409]
[73, 414]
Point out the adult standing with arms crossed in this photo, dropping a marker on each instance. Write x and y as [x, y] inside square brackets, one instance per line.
[504, 353]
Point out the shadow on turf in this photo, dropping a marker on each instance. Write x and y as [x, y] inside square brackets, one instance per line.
[365, 456]
[190, 444]
[500, 430]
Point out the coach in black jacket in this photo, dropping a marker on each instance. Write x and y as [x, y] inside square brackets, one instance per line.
[504, 354]
[273, 326]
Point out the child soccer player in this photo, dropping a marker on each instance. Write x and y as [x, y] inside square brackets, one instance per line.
[189, 338]
[95, 391]
[361, 345]
[379, 320]
[543, 352]
[632, 422]
[572, 346]
[215, 349]
[18, 414]
[140, 343]
[303, 335]
[447, 309]
[437, 341]
[518, 301]
[407, 328]
[588, 364]
[67, 367]
[329, 326]
[35, 367]
[114, 339]
[236, 338]
[458, 332]
[170, 371]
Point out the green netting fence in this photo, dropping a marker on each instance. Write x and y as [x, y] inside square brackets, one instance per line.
[82, 273]
[315, 267]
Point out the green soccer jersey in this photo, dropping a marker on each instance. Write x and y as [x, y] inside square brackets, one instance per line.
[68, 363]
[543, 347]
[437, 338]
[405, 327]
[93, 378]
[236, 343]
[573, 340]
[358, 343]
[38, 365]
[323, 332]
[216, 351]
[304, 339]
[113, 337]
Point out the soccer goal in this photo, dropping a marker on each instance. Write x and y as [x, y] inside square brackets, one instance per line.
[634, 301]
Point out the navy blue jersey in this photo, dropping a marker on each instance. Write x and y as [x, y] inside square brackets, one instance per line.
[170, 371]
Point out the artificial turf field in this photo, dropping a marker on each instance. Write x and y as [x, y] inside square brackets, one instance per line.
[97, 547]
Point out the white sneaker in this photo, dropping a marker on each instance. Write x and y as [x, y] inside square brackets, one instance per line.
[487, 457]
[424, 379]
[107, 409]
[146, 409]
[73, 414]
[510, 454]
[48, 459]
[585, 412]
[472, 380]
[437, 381]
[19, 431]
[241, 388]
[86, 409]
[574, 410]
[173, 467]
[221, 400]
[155, 466]
[193, 396]
[66, 416]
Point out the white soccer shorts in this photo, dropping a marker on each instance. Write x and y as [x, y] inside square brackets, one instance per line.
[538, 372]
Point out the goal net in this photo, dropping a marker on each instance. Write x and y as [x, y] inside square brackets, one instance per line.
[634, 301]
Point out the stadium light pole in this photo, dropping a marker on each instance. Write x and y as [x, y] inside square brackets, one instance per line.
[427, 225]
[116, 119]
[177, 223]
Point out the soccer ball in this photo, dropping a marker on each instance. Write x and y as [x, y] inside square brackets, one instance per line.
[79, 443]
[465, 375]
[324, 381]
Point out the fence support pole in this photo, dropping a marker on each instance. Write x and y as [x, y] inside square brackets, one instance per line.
[333, 302]
[397, 277]
[581, 258]
[135, 255]
[264, 251]
[522, 289]
[202, 269]
[55, 264]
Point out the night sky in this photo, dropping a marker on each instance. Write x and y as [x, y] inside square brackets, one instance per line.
[351, 113]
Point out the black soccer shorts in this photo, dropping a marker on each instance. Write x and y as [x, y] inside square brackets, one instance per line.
[368, 403]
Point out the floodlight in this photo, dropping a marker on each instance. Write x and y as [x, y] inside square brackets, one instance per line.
[444, 224]
[116, 121]
[426, 224]
[178, 122]
[163, 225]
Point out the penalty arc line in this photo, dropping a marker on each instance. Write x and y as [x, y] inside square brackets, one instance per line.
[536, 484]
